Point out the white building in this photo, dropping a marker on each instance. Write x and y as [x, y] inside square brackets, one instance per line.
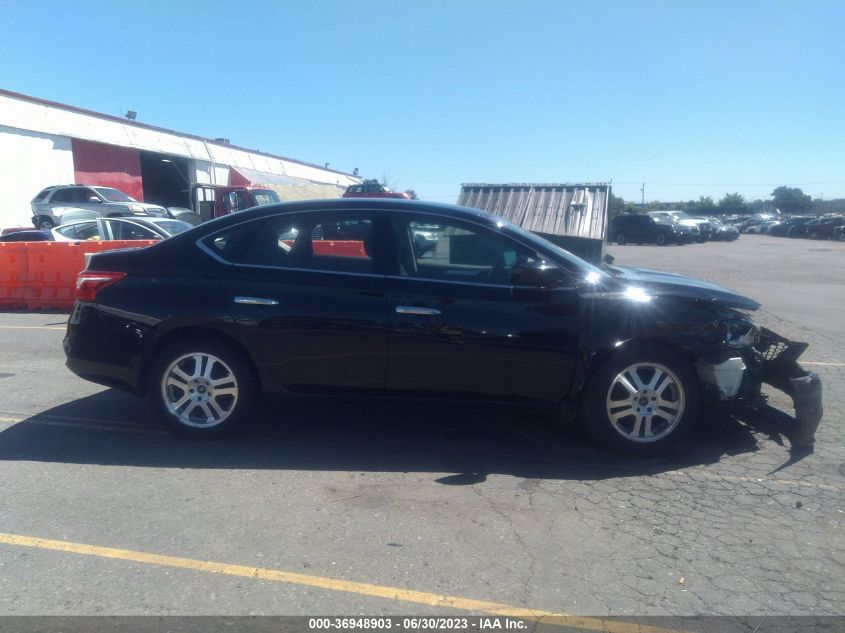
[43, 143]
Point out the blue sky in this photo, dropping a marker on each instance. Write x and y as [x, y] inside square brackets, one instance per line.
[692, 98]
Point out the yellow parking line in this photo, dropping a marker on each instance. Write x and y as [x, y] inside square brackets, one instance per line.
[362, 588]
[810, 362]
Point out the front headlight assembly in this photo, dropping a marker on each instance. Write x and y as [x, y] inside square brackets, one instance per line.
[740, 333]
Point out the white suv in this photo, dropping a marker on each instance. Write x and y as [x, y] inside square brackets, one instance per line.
[90, 201]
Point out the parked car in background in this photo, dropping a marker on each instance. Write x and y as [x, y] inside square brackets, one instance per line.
[762, 227]
[791, 227]
[134, 228]
[493, 313]
[821, 228]
[687, 220]
[645, 229]
[183, 214]
[746, 222]
[839, 233]
[49, 205]
[721, 231]
[373, 190]
[26, 235]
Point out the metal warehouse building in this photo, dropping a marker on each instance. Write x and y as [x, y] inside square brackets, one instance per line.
[43, 143]
[574, 216]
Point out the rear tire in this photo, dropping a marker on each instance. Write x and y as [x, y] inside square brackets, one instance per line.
[625, 411]
[202, 388]
[620, 239]
[814, 235]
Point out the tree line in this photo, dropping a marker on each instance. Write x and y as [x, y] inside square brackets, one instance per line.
[791, 200]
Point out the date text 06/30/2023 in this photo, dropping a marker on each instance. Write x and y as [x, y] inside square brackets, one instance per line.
[417, 623]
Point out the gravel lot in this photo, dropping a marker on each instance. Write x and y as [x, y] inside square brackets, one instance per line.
[480, 504]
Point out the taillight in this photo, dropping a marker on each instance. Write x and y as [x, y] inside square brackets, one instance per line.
[90, 282]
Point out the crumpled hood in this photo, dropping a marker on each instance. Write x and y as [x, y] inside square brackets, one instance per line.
[670, 284]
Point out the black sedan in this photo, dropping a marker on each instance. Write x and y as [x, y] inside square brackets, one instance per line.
[337, 297]
[26, 235]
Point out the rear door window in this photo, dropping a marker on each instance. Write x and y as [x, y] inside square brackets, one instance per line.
[130, 231]
[325, 241]
[80, 231]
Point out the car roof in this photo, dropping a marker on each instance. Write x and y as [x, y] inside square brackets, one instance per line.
[343, 204]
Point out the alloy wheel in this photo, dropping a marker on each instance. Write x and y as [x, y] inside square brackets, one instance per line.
[199, 390]
[645, 402]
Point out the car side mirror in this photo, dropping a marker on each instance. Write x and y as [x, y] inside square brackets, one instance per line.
[537, 274]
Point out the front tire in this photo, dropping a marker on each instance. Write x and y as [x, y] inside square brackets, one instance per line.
[641, 402]
[661, 240]
[620, 239]
[202, 388]
[45, 223]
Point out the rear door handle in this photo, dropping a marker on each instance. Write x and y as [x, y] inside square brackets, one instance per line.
[417, 310]
[256, 301]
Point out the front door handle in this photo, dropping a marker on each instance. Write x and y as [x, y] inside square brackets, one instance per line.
[417, 310]
[256, 301]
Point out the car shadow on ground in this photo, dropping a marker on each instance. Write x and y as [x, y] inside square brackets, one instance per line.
[470, 441]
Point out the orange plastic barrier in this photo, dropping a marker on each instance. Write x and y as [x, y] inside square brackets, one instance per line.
[42, 275]
[346, 248]
[13, 270]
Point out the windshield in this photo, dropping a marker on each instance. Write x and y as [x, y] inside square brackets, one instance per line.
[113, 195]
[265, 197]
[569, 260]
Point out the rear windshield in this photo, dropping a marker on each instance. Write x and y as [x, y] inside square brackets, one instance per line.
[173, 227]
[40, 197]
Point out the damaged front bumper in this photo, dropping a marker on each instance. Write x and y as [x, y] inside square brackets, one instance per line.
[737, 378]
[781, 370]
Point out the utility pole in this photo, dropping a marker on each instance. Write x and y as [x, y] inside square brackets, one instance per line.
[642, 190]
